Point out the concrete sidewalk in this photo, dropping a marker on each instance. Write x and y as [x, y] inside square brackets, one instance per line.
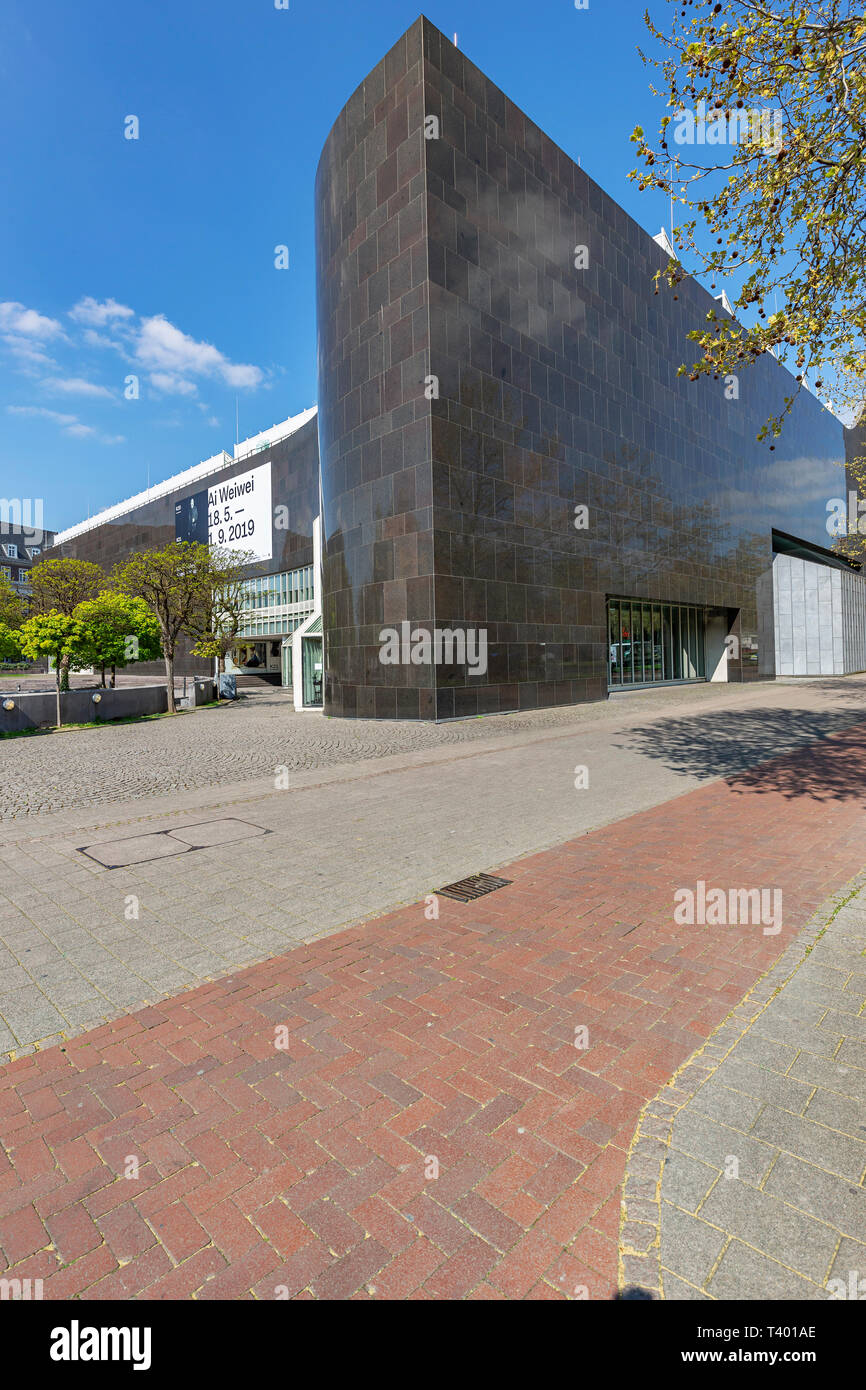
[216, 878]
[762, 1188]
[412, 1108]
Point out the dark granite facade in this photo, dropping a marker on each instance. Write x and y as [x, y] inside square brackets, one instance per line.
[374, 419]
[454, 257]
[294, 484]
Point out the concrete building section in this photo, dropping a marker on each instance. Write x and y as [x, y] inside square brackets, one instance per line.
[281, 586]
[820, 618]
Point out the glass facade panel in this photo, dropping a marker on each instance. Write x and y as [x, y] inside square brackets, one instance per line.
[647, 642]
[655, 643]
[658, 653]
[615, 642]
[628, 643]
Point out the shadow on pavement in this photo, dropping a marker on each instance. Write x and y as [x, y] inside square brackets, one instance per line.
[748, 747]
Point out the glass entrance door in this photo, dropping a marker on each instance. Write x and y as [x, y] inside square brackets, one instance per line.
[654, 643]
[312, 662]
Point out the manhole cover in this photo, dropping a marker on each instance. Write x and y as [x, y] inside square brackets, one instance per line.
[164, 844]
[468, 889]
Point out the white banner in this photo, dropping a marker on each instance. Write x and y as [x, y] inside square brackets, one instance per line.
[240, 513]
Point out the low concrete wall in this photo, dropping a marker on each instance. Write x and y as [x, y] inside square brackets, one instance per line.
[205, 691]
[77, 706]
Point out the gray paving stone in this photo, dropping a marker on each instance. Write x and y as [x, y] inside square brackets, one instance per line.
[804, 1139]
[689, 1247]
[767, 1055]
[698, 1135]
[745, 1273]
[850, 1261]
[678, 1291]
[852, 1054]
[725, 1105]
[838, 1112]
[783, 1091]
[830, 1075]
[686, 1181]
[767, 1224]
[832, 1199]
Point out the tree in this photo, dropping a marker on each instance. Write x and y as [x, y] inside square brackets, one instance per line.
[11, 604]
[174, 583]
[216, 624]
[767, 145]
[119, 630]
[56, 635]
[10, 643]
[59, 585]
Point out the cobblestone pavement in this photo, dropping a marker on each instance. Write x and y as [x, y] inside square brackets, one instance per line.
[407, 1108]
[762, 1190]
[219, 878]
[219, 747]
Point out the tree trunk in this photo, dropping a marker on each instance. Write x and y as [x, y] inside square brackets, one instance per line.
[169, 682]
[103, 675]
[113, 677]
[57, 684]
[63, 667]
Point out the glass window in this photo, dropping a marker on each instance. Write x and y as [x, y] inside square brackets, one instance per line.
[658, 658]
[615, 644]
[653, 642]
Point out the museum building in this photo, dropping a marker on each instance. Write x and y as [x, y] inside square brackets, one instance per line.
[504, 447]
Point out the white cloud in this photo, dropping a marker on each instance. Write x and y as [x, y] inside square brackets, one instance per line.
[172, 385]
[70, 424]
[76, 386]
[28, 352]
[163, 347]
[90, 311]
[39, 410]
[101, 340]
[15, 318]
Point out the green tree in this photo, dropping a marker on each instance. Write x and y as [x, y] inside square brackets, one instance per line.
[55, 635]
[11, 604]
[119, 630]
[174, 583]
[10, 643]
[59, 585]
[216, 623]
[775, 191]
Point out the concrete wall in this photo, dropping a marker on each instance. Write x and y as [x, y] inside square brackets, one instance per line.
[205, 692]
[820, 618]
[35, 711]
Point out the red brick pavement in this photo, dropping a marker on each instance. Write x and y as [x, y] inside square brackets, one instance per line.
[303, 1172]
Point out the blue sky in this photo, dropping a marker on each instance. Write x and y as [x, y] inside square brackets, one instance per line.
[155, 256]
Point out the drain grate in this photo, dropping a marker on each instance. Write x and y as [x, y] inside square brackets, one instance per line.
[475, 886]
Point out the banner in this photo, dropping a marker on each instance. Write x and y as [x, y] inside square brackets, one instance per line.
[234, 515]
